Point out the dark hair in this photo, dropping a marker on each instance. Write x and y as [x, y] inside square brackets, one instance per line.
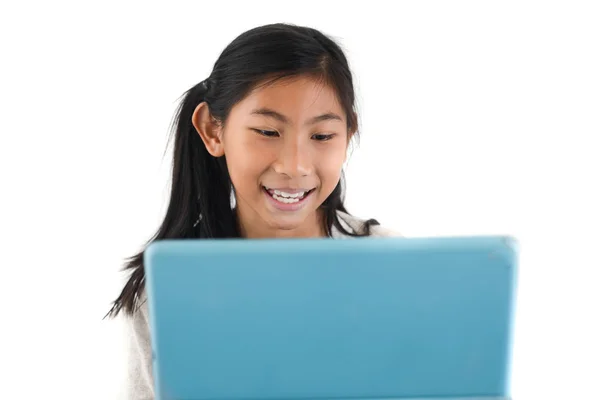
[201, 185]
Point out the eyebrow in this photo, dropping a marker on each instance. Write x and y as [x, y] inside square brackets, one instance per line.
[267, 112]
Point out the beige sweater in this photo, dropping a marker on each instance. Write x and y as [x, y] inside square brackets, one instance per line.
[139, 381]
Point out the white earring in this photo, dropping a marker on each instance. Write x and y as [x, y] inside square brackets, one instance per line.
[198, 220]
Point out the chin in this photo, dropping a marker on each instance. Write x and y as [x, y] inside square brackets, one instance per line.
[286, 223]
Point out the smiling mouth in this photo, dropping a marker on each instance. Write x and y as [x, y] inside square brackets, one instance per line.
[286, 197]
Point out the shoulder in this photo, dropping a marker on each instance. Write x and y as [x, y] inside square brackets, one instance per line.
[139, 383]
[357, 224]
[138, 322]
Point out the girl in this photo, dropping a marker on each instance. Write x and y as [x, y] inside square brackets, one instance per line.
[259, 149]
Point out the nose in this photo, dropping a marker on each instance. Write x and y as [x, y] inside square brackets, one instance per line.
[294, 159]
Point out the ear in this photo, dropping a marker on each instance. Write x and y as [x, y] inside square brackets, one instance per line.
[353, 122]
[351, 132]
[208, 129]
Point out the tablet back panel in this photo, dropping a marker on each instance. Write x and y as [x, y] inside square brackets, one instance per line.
[368, 318]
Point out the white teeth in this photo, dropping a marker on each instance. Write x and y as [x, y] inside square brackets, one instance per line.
[289, 195]
[285, 200]
[285, 197]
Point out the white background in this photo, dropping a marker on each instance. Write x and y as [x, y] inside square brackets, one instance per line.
[477, 118]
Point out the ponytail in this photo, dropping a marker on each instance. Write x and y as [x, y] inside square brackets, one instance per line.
[194, 211]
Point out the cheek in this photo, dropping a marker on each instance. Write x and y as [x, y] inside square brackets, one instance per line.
[330, 165]
[245, 165]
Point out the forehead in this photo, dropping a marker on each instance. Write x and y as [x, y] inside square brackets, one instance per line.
[298, 98]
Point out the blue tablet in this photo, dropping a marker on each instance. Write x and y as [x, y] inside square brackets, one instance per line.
[370, 318]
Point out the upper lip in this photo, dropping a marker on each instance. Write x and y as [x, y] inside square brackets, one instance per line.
[288, 190]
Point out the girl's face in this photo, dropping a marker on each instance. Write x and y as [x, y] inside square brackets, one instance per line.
[285, 146]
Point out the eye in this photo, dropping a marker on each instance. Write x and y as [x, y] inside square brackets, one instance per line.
[266, 133]
[323, 137]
